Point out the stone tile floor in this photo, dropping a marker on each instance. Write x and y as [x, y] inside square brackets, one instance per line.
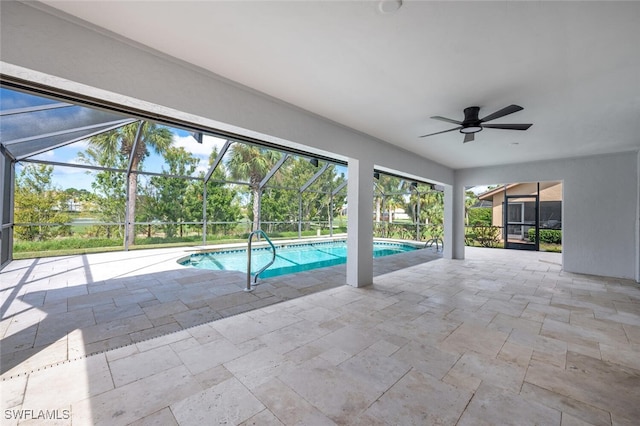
[59, 309]
[503, 337]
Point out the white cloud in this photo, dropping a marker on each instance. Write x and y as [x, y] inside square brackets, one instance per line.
[81, 145]
[75, 161]
[479, 189]
[203, 149]
[47, 155]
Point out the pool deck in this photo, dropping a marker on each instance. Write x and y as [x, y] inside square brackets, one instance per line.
[61, 308]
[502, 337]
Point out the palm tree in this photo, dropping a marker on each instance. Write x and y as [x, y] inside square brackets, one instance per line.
[252, 163]
[391, 188]
[470, 199]
[122, 141]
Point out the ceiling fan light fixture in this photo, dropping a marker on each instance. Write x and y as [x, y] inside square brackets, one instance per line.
[471, 129]
[389, 6]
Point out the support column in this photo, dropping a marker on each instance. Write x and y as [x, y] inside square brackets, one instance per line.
[360, 223]
[454, 221]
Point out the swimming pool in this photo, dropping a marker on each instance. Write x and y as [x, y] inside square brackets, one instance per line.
[290, 258]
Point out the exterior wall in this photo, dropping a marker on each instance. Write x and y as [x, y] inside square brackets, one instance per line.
[498, 199]
[550, 191]
[598, 237]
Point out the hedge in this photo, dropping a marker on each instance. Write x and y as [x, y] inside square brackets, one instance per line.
[550, 236]
[485, 236]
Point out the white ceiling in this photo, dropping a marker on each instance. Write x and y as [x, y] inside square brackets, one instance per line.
[573, 66]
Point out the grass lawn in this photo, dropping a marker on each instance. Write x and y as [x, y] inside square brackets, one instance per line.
[67, 246]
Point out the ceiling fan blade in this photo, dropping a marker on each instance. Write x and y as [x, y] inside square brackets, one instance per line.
[468, 137]
[508, 126]
[504, 111]
[444, 131]
[448, 120]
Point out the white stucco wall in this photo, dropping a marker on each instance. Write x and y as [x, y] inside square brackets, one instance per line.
[600, 208]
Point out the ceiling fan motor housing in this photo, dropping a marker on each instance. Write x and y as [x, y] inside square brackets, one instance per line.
[471, 123]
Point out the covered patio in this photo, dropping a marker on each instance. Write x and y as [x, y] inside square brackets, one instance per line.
[498, 338]
[477, 336]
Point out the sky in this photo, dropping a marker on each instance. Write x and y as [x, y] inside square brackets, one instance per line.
[54, 120]
[72, 177]
[24, 125]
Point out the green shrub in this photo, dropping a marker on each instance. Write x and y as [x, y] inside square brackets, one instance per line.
[550, 236]
[480, 216]
[469, 238]
[487, 236]
[64, 244]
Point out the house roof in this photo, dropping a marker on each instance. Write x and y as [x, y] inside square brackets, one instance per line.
[489, 194]
[482, 204]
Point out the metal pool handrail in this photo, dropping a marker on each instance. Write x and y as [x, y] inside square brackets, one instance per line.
[273, 259]
[433, 241]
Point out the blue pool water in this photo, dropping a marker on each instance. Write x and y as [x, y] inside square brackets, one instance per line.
[289, 259]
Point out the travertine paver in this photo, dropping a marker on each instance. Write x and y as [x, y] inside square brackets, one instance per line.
[418, 399]
[288, 406]
[226, 403]
[493, 406]
[114, 299]
[502, 337]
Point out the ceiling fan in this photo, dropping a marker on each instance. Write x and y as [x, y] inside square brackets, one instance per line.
[472, 124]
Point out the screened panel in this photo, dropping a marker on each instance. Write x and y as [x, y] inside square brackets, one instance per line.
[530, 212]
[280, 210]
[293, 173]
[30, 124]
[5, 209]
[551, 214]
[249, 163]
[515, 212]
[14, 100]
[205, 148]
[72, 164]
[36, 146]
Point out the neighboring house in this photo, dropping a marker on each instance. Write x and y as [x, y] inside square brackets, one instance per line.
[74, 206]
[70, 206]
[521, 198]
[397, 214]
[550, 198]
